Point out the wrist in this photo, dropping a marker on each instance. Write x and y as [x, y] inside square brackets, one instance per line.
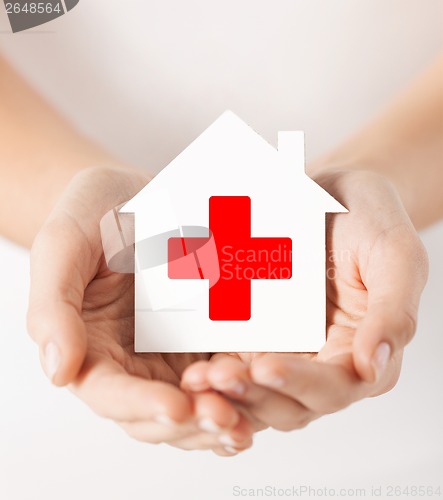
[121, 181]
[329, 170]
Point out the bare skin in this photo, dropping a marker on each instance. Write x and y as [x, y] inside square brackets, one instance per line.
[377, 269]
[80, 314]
[389, 176]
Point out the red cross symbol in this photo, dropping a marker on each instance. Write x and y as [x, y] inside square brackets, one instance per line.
[240, 258]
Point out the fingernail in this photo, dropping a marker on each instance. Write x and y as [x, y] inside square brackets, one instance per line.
[51, 360]
[165, 420]
[231, 450]
[208, 425]
[381, 358]
[227, 440]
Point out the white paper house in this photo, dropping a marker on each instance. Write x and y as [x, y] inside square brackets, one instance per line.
[230, 159]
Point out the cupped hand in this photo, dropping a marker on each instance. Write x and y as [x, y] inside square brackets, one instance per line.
[82, 317]
[376, 271]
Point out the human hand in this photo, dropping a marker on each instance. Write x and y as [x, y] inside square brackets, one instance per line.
[82, 317]
[376, 271]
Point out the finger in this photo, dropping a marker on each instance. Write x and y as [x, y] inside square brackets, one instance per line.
[214, 413]
[394, 277]
[231, 376]
[148, 431]
[321, 387]
[238, 438]
[194, 377]
[212, 426]
[198, 441]
[230, 451]
[57, 286]
[112, 393]
[226, 451]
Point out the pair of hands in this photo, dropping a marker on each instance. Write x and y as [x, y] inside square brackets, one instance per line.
[81, 316]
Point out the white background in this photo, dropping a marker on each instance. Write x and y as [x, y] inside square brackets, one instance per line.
[53, 447]
[144, 78]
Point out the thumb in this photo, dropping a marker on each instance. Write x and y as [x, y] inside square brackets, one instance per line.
[395, 277]
[59, 255]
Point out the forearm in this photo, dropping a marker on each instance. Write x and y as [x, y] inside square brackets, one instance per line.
[406, 145]
[39, 154]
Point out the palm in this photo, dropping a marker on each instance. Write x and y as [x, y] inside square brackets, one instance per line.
[373, 257]
[346, 295]
[108, 313]
[82, 315]
[92, 309]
